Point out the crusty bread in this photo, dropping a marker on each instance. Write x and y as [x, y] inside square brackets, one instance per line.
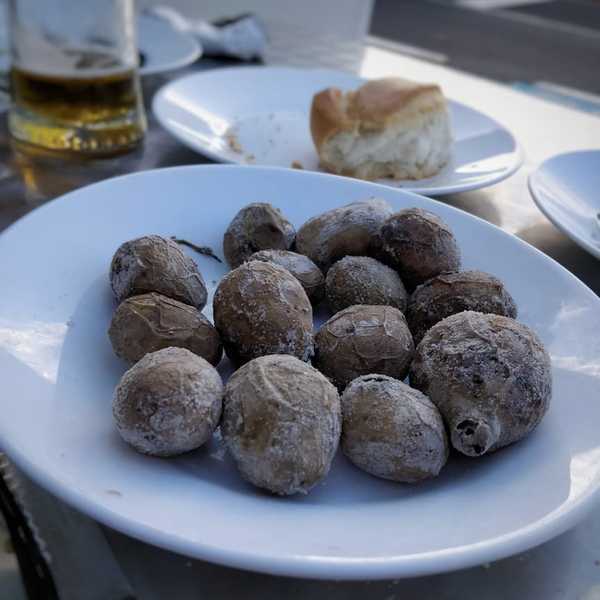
[386, 128]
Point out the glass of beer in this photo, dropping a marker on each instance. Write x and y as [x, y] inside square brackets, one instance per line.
[74, 82]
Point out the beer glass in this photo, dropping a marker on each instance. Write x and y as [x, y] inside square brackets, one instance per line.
[74, 81]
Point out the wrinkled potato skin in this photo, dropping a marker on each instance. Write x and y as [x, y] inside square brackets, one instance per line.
[257, 226]
[363, 280]
[261, 308]
[391, 430]
[361, 340]
[301, 267]
[150, 322]
[156, 264]
[420, 246]
[168, 403]
[489, 376]
[281, 423]
[451, 293]
[344, 231]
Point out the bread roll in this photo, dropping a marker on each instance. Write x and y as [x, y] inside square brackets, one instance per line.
[387, 128]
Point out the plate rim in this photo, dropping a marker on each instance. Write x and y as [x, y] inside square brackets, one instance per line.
[318, 567]
[538, 198]
[189, 58]
[440, 190]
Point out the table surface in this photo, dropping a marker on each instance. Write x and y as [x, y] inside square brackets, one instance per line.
[567, 567]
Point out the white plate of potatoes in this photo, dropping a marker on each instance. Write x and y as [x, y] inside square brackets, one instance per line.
[481, 503]
[262, 116]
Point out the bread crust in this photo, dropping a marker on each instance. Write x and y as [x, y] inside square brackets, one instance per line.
[372, 107]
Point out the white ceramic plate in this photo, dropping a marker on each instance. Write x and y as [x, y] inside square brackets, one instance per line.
[163, 47]
[58, 373]
[259, 115]
[566, 189]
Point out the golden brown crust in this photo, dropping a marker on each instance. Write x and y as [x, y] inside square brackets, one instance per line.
[371, 107]
[379, 99]
[327, 116]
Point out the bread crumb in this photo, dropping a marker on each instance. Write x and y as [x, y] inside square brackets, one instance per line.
[233, 142]
[296, 164]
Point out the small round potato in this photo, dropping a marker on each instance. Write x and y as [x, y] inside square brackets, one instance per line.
[258, 226]
[301, 267]
[156, 264]
[168, 403]
[420, 245]
[281, 423]
[363, 280]
[344, 231]
[392, 430]
[451, 293]
[150, 322]
[361, 340]
[489, 376]
[261, 308]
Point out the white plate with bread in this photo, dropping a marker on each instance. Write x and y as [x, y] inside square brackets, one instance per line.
[59, 374]
[392, 131]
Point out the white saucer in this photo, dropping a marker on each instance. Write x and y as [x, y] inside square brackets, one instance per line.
[164, 47]
[259, 115]
[566, 188]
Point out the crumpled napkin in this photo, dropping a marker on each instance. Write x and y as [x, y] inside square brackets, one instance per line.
[242, 37]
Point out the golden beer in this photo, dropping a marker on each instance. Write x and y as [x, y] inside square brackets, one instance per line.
[95, 113]
[74, 81]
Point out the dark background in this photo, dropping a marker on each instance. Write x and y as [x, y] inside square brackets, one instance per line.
[556, 41]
